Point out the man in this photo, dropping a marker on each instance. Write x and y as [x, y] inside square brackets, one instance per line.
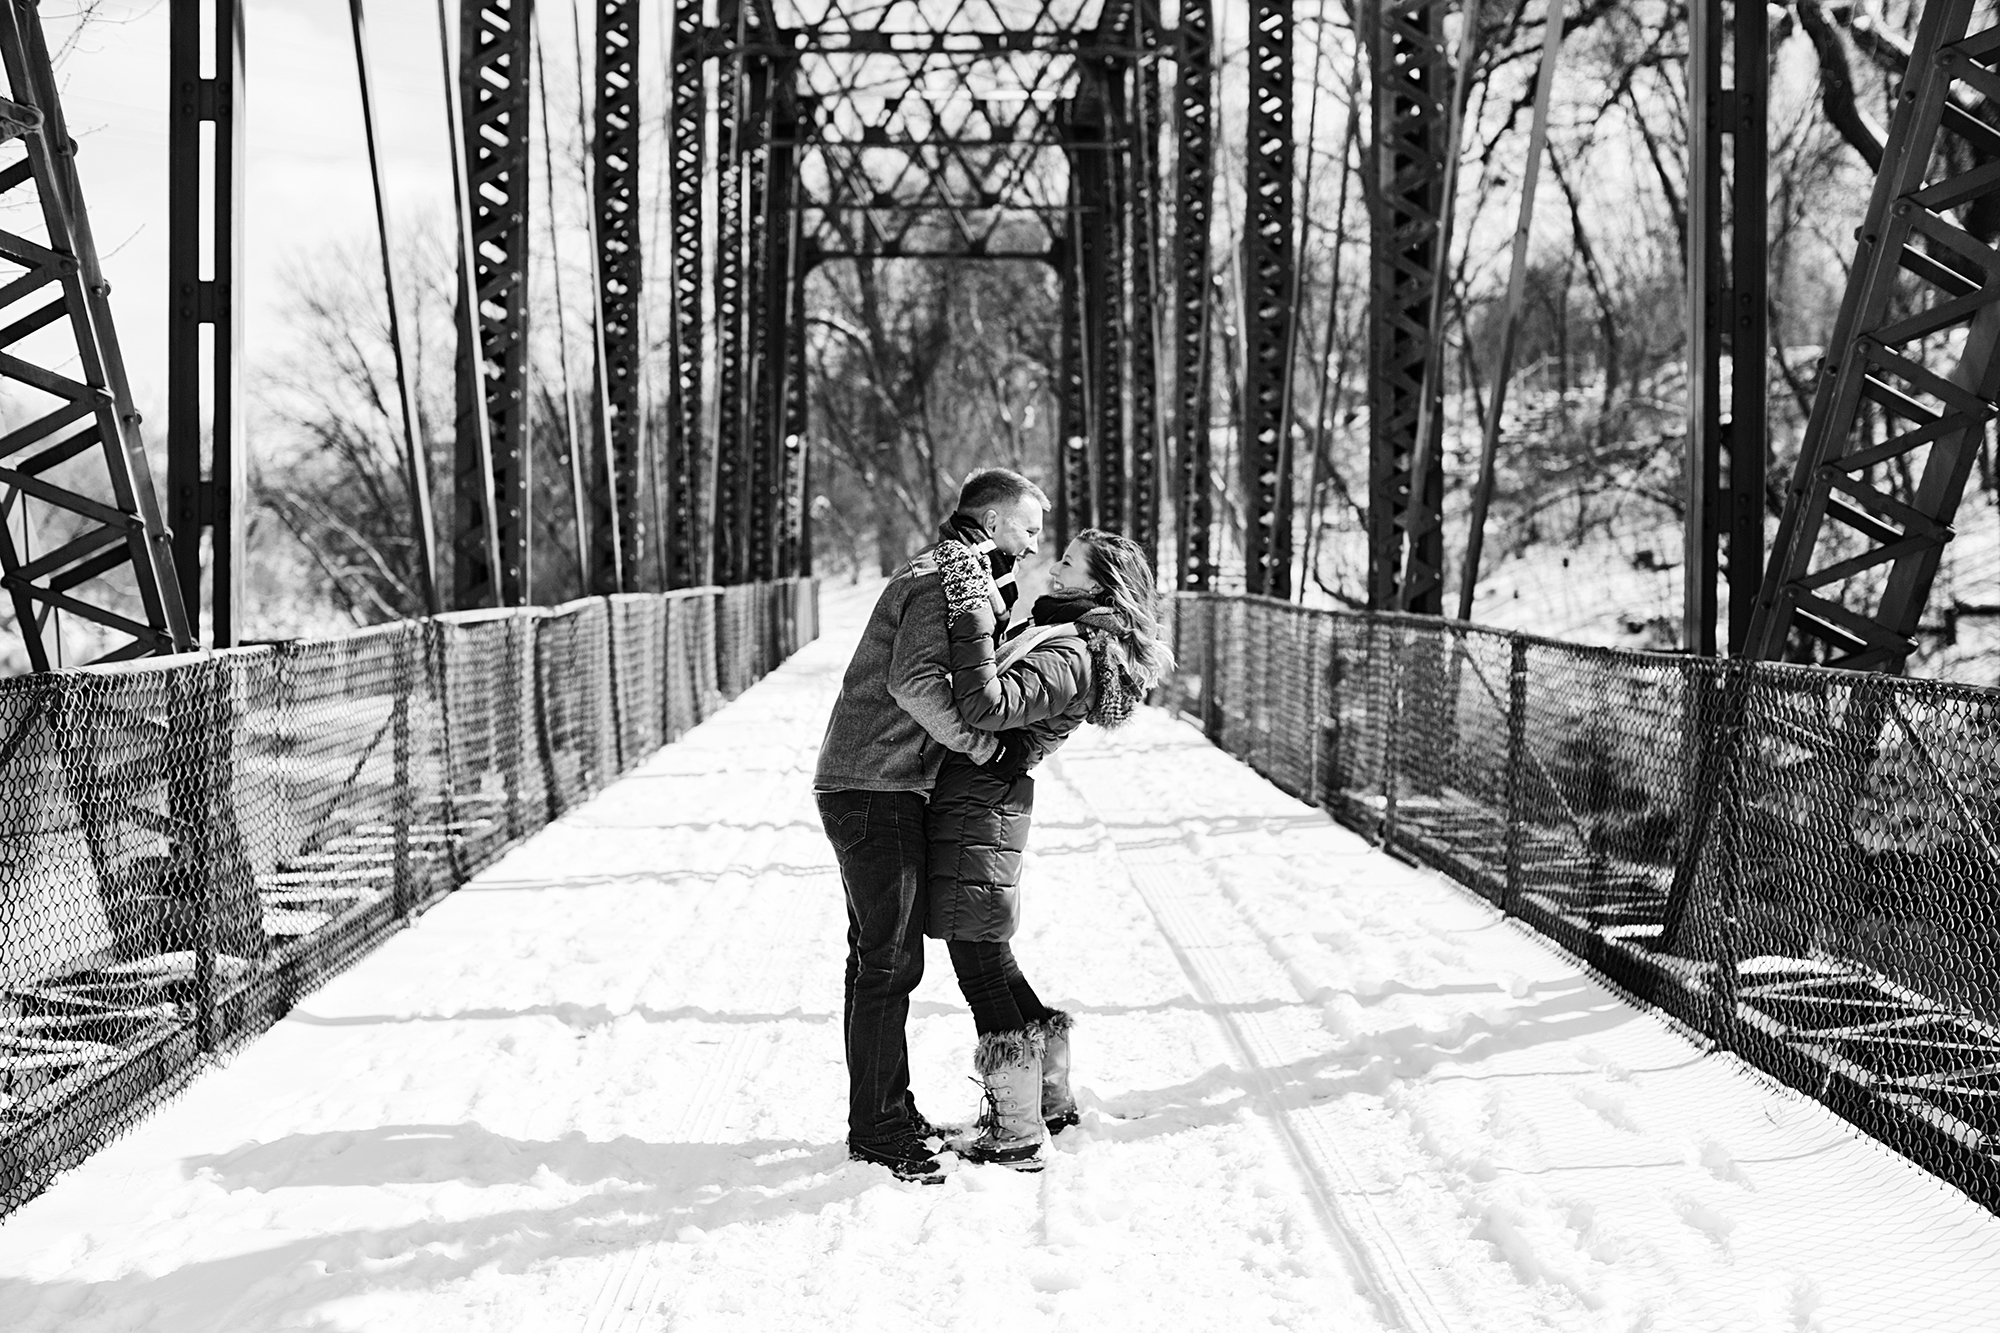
[889, 730]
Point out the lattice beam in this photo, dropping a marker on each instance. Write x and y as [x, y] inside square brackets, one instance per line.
[1407, 161]
[687, 114]
[494, 69]
[737, 123]
[1108, 311]
[1855, 556]
[1143, 514]
[779, 282]
[81, 532]
[1267, 278]
[1194, 182]
[1074, 511]
[621, 282]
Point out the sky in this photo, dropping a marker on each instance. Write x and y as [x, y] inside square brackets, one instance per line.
[306, 177]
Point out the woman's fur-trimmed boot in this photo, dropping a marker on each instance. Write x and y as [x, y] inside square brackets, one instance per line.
[1058, 1104]
[1010, 1068]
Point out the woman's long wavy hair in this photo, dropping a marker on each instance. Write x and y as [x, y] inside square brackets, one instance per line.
[1120, 567]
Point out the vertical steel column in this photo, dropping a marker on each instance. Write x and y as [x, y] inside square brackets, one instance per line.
[776, 430]
[1109, 311]
[1267, 275]
[794, 540]
[687, 116]
[1143, 513]
[1407, 168]
[769, 207]
[205, 492]
[1727, 450]
[735, 125]
[1073, 507]
[1194, 178]
[493, 68]
[1092, 241]
[621, 277]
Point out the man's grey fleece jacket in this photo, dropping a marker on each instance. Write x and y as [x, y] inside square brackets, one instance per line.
[895, 718]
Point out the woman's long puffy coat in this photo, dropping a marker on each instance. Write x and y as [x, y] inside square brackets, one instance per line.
[978, 822]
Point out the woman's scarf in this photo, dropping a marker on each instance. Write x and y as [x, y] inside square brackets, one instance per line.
[1113, 692]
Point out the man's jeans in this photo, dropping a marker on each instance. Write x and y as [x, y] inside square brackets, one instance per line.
[878, 841]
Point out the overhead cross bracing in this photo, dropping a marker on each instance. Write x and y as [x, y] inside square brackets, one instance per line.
[962, 131]
[942, 129]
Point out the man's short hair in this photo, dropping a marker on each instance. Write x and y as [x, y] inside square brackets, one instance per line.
[992, 487]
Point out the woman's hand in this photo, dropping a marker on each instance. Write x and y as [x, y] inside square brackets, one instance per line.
[1014, 757]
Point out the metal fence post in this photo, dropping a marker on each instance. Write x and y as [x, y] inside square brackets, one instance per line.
[192, 805]
[402, 802]
[1211, 689]
[1391, 753]
[615, 693]
[512, 759]
[1729, 806]
[1517, 747]
[1328, 774]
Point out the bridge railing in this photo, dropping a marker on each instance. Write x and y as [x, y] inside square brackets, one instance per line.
[1801, 864]
[188, 845]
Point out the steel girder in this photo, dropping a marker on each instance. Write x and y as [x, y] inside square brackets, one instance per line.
[494, 68]
[1110, 310]
[77, 450]
[1727, 449]
[620, 282]
[1267, 278]
[1143, 219]
[1853, 561]
[775, 350]
[1095, 495]
[1407, 163]
[687, 115]
[1194, 181]
[794, 546]
[205, 493]
[1074, 473]
[738, 112]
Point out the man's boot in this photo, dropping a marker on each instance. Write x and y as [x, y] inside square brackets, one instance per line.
[1010, 1067]
[1058, 1104]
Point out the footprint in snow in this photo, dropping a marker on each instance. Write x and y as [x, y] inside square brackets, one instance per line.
[1610, 1108]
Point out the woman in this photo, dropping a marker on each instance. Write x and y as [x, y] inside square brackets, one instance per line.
[1089, 651]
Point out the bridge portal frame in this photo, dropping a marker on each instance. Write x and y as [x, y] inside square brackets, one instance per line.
[128, 533]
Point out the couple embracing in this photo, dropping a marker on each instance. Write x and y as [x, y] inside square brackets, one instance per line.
[953, 695]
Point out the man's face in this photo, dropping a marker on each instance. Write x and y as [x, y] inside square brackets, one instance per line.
[1014, 527]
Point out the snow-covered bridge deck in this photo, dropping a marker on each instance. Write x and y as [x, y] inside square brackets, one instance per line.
[601, 1088]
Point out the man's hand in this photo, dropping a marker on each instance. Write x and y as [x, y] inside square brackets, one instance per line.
[1013, 757]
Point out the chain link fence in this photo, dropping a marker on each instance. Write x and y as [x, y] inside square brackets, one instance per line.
[188, 845]
[1801, 864]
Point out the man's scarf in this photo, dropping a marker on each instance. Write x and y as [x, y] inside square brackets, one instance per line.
[965, 529]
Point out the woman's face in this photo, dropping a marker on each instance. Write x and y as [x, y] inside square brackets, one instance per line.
[1071, 574]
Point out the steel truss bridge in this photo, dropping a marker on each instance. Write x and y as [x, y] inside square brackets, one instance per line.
[1800, 859]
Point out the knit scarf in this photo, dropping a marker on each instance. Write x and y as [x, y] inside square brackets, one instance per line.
[1113, 692]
